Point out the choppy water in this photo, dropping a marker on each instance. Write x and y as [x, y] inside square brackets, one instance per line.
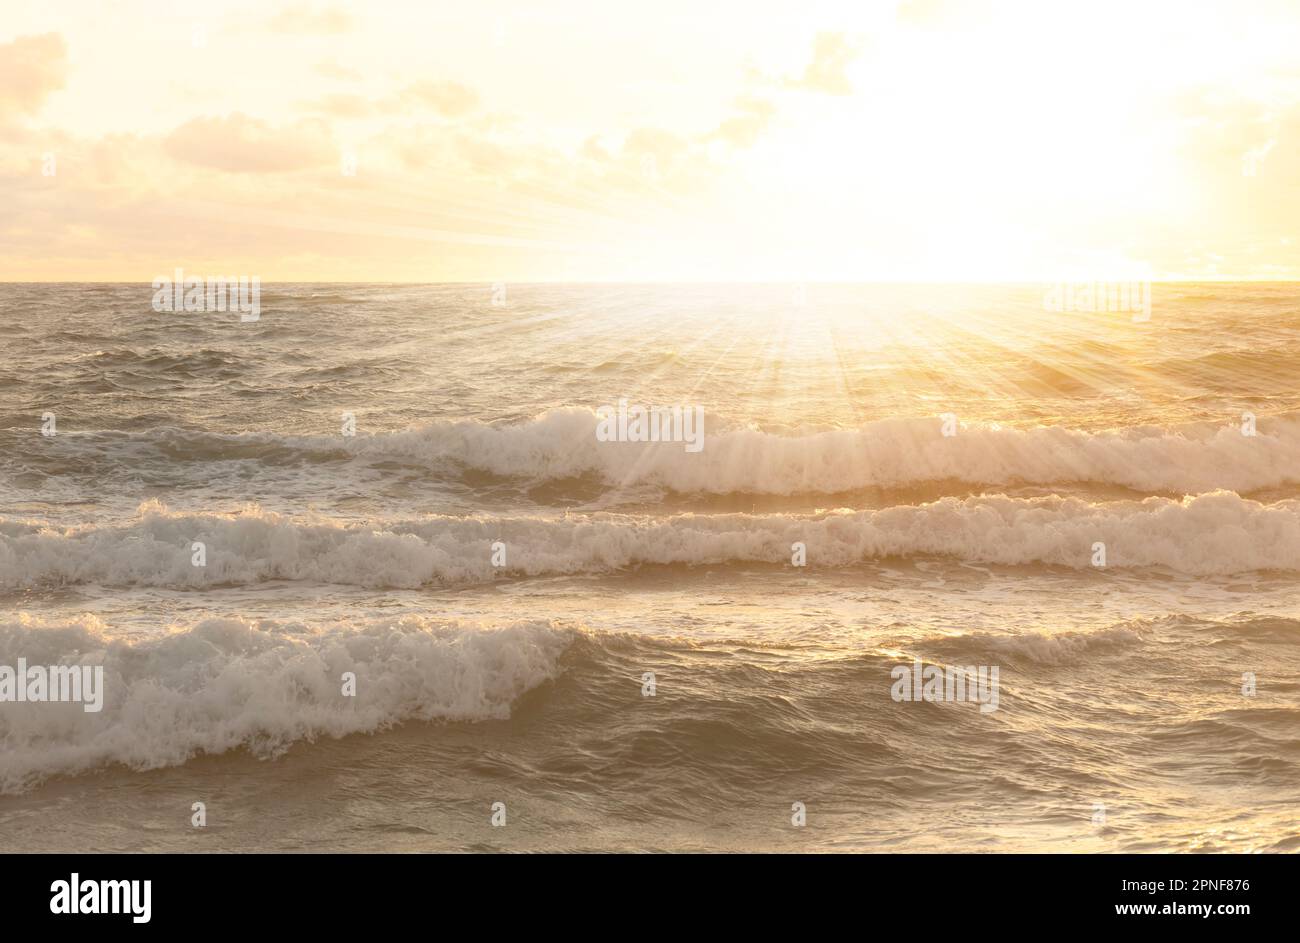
[1120, 686]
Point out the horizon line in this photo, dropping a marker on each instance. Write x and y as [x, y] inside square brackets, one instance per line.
[1177, 280]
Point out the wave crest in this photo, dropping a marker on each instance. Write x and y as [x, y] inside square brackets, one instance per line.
[1211, 534]
[893, 453]
[226, 683]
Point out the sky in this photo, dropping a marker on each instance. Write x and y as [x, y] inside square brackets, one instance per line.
[868, 140]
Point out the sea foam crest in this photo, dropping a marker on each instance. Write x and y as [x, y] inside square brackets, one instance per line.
[225, 683]
[1206, 535]
[1188, 459]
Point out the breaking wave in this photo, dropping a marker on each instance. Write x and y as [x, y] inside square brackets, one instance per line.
[1211, 534]
[562, 444]
[226, 683]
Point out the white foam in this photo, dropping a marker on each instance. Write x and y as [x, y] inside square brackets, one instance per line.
[1186, 459]
[221, 684]
[1210, 534]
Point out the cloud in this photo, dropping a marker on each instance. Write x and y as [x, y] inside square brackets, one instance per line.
[743, 130]
[240, 144]
[342, 105]
[832, 52]
[655, 159]
[450, 99]
[422, 145]
[663, 146]
[304, 20]
[485, 156]
[332, 70]
[31, 67]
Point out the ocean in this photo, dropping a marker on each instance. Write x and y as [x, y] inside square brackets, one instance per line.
[377, 571]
